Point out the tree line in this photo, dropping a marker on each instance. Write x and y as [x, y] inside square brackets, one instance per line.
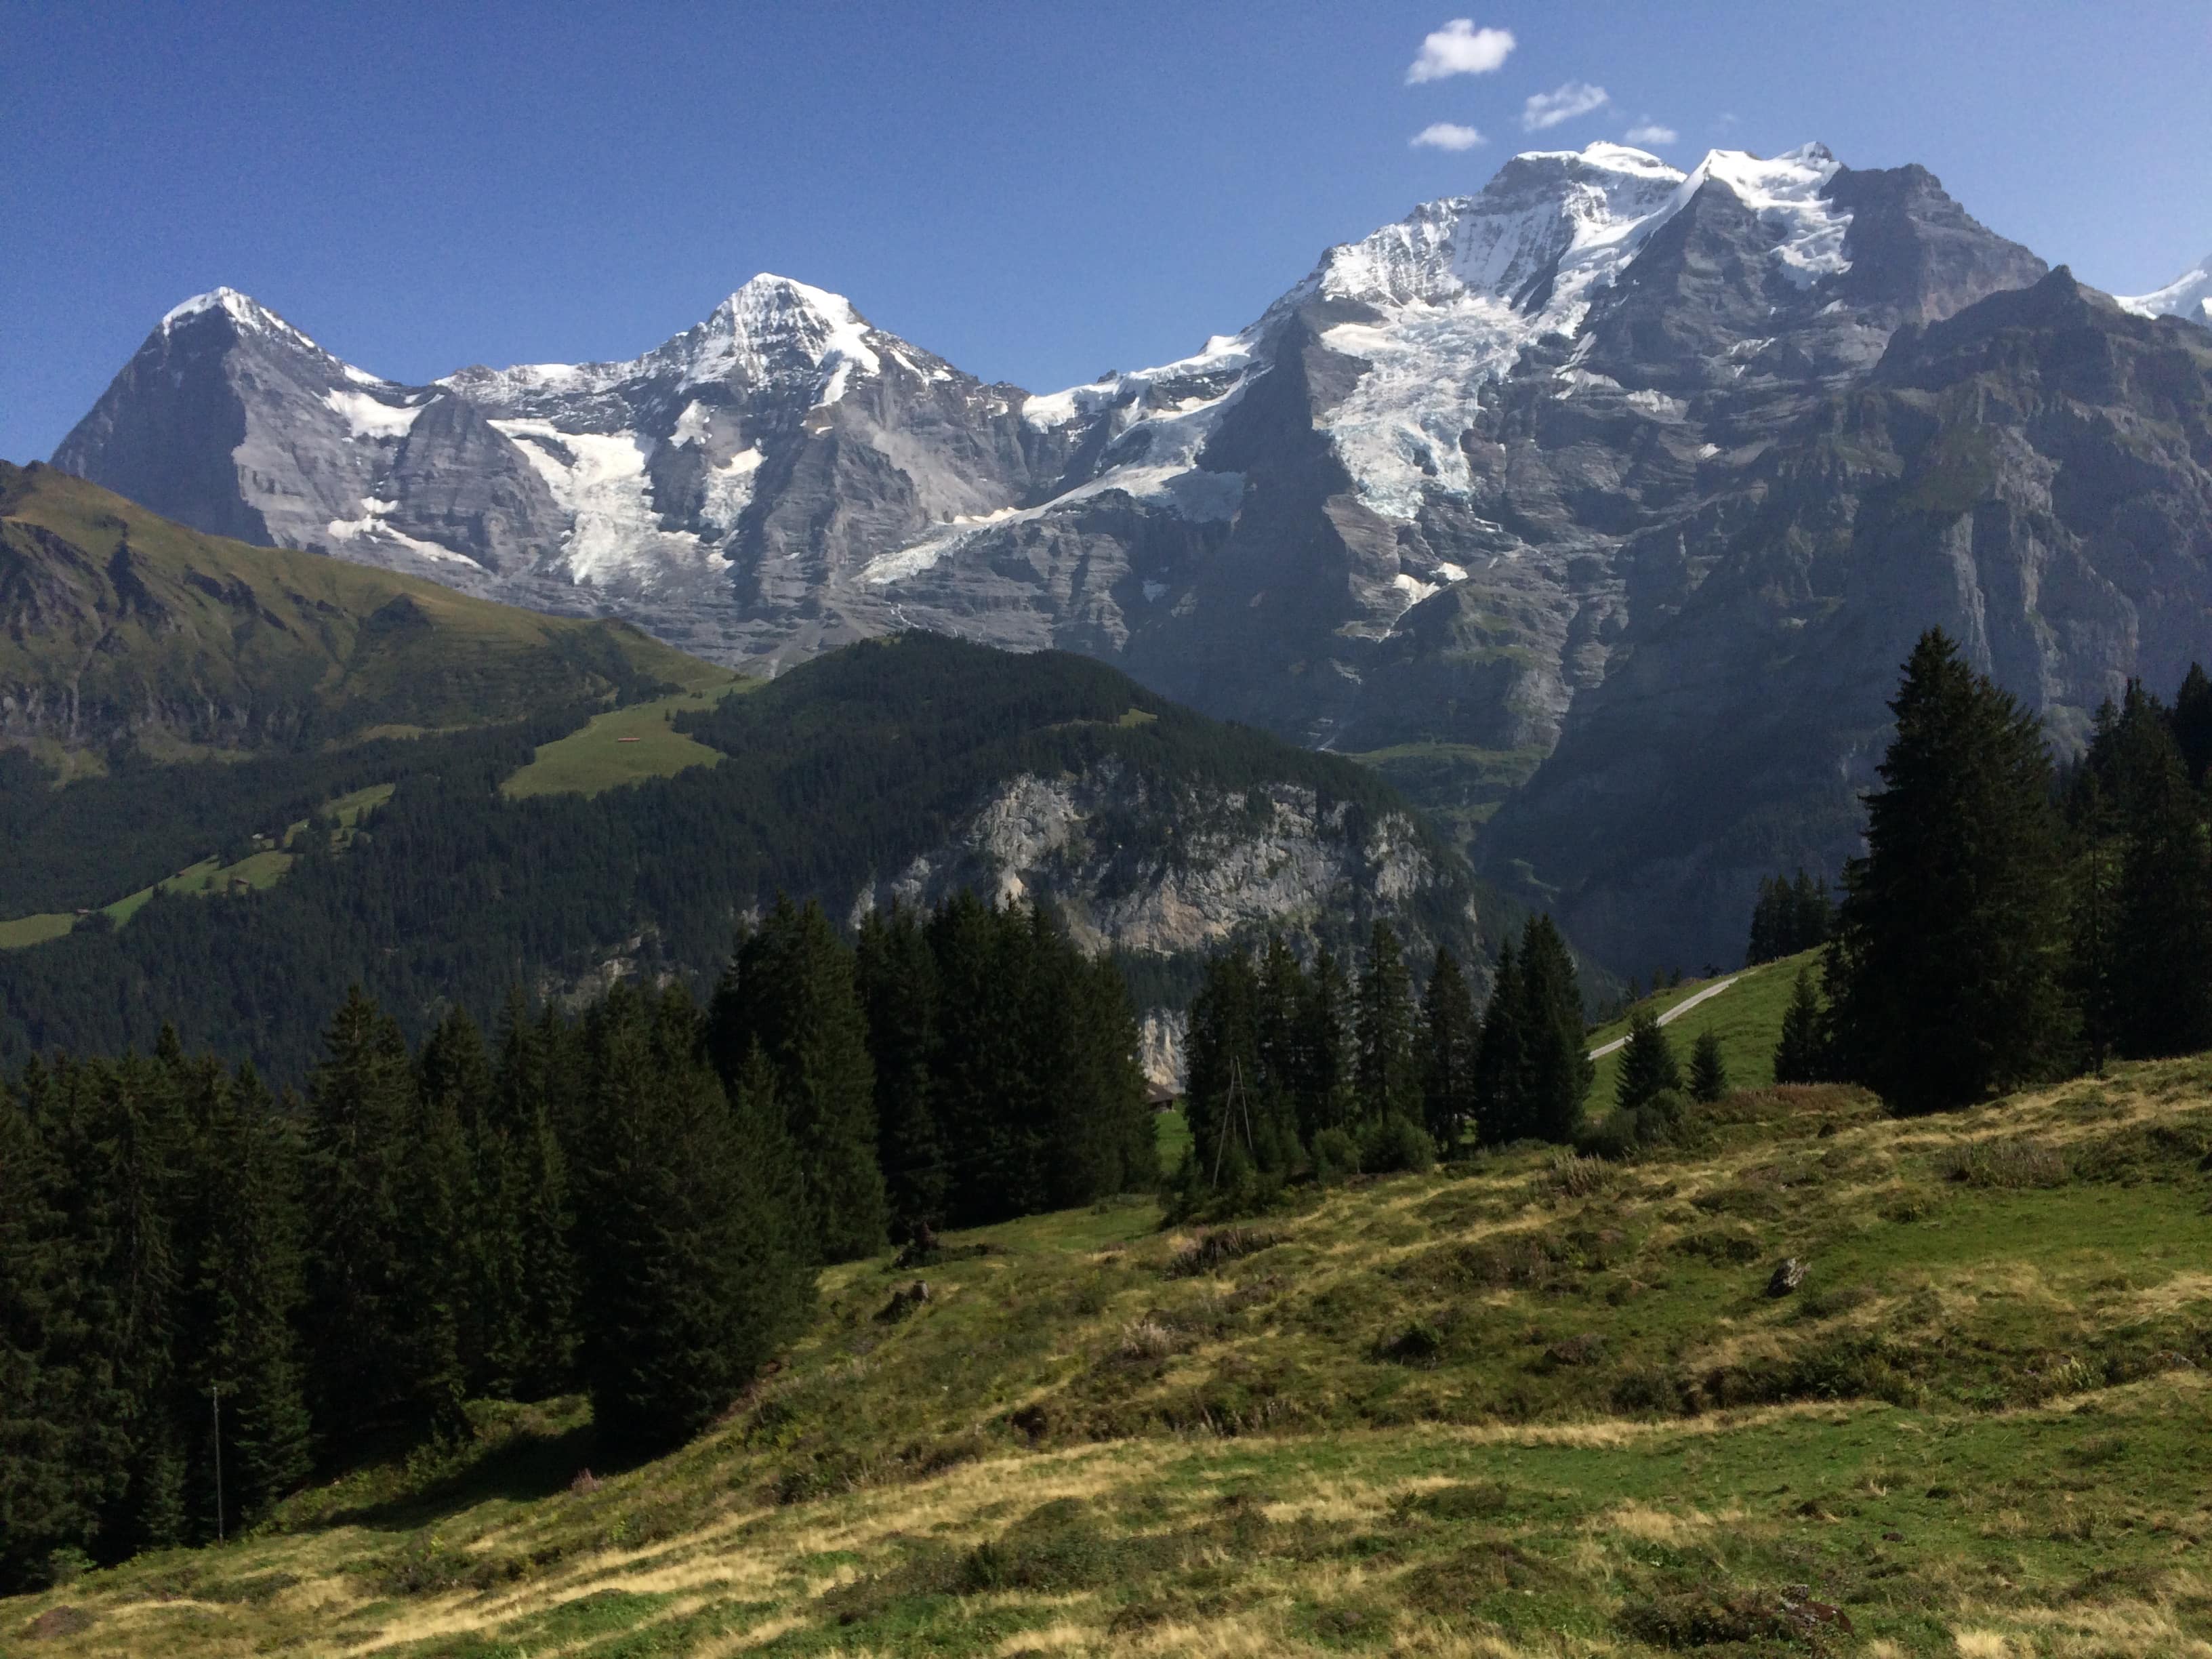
[1790, 917]
[2010, 924]
[629, 1200]
[1301, 1068]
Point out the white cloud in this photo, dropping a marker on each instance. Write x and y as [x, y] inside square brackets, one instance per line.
[1649, 131]
[1447, 135]
[1459, 48]
[1548, 109]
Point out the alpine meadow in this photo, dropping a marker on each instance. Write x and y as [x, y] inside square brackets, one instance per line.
[1516, 964]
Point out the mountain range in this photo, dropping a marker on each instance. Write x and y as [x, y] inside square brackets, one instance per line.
[1597, 508]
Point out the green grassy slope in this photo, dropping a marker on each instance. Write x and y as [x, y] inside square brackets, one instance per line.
[256, 872]
[230, 647]
[1746, 1018]
[624, 745]
[1514, 1407]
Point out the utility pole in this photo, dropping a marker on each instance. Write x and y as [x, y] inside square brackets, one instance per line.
[215, 1398]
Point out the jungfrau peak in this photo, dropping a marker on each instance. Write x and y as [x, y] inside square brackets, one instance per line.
[1451, 501]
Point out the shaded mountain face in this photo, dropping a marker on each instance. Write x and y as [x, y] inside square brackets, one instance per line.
[1426, 509]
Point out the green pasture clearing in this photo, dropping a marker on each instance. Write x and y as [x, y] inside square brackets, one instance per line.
[1746, 1018]
[623, 745]
[256, 871]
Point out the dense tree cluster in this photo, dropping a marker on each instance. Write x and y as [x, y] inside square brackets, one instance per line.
[1297, 1066]
[850, 765]
[1791, 915]
[629, 1200]
[2002, 929]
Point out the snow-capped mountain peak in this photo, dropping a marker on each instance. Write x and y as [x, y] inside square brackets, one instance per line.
[244, 311]
[2189, 295]
[773, 328]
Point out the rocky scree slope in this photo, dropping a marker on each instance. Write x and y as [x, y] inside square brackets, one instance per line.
[1416, 510]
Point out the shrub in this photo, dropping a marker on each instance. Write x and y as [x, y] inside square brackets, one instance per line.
[1335, 1156]
[1216, 1247]
[1420, 1344]
[2004, 1163]
[1394, 1144]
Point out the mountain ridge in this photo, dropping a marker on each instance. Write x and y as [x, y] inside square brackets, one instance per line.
[1417, 510]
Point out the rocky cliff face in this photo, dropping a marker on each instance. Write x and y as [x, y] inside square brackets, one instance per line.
[1433, 507]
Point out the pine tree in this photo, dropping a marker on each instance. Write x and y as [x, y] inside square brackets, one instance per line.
[250, 1283]
[897, 981]
[790, 990]
[361, 1101]
[1281, 992]
[46, 1404]
[538, 1064]
[1945, 968]
[1803, 1054]
[692, 1285]
[1648, 1066]
[990, 1152]
[2161, 981]
[1556, 1064]
[1222, 1065]
[1323, 1085]
[1709, 1078]
[464, 1159]
[1451, 1034]
[1501, 1056]
[115, 1131]
[2193, 724]
[1388, 1077]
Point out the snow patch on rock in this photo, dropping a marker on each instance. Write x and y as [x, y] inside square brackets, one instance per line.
[371, 417]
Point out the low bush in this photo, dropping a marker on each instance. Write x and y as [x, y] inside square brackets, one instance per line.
[1395, 1145]
[1335, 1156]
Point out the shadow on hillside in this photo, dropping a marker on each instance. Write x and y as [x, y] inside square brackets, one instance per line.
[521, 1467]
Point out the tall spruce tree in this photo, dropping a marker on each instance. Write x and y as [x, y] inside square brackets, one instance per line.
[1803, 1052]
[1648, 1066]
[537, 1070]
[1223, 1066]
[790, 991]
[1451, 1034]
[361, 1350]
[898, 992]
[692, 1284]
[2160, 975]
[1323, 1085]
[1945, 968]
[1389, 1074]
[990, 1147]
[250, 1286]
[1709, 1078]
[2193, 724]
[1501, 1056]
[1556, 1068]
[47, 1403]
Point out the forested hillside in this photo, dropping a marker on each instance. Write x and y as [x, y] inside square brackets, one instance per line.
[906, 769]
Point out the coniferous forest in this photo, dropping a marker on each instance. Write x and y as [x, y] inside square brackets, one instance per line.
[2010, 923]
[841, 771]
[629, 1200]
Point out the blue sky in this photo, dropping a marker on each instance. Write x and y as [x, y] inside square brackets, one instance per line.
[1036, 190]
